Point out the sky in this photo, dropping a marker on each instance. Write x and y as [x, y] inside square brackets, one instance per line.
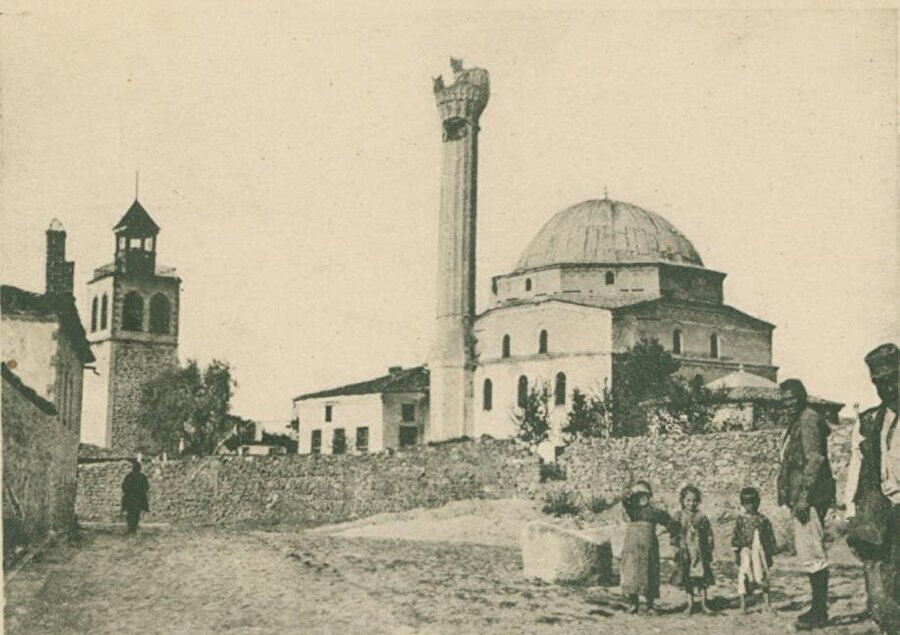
[291, 155]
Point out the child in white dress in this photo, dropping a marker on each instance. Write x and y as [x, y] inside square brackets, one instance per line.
[754, 543]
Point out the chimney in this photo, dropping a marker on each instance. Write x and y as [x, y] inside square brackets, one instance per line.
[393, 370]
[59, 273]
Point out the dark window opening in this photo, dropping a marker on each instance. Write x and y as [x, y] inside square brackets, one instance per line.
[528, 284]
[339, 441]
[559, 391]
[522, 397]
[542, 342]
[408, 411]
[409, 436]
[159, 314]
[327, 413]
[362, 439]
[506, 345]
[94, 314]
[315, 442]
[714, 346]
[133, 312]
[104, 311]
[676, 342]
[487, 396]
[610, 277]
[494, 286]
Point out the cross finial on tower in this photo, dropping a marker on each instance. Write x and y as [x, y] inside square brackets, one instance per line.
[605, 193]
[137, 183]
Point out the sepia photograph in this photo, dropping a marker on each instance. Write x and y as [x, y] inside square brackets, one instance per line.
[482, 317]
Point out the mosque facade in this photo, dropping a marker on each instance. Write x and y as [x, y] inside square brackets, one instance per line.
[600, 276]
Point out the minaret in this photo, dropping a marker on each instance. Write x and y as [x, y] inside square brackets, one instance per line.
[452, 360]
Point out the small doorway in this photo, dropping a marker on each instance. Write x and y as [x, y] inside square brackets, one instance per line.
[409, 436]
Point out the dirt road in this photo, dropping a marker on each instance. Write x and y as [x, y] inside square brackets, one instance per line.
[171, 580]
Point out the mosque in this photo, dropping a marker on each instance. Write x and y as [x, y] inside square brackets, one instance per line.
[600, 276]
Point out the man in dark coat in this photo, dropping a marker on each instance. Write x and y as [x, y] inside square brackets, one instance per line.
[806, 486]
[134, 496]
[874, 531]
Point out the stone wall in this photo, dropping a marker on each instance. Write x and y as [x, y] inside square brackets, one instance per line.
[39, 468]
[312, 489]
[720, 463]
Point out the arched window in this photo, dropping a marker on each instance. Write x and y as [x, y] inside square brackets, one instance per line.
[522, 397]
[506, 342]
[133, 312]
[159, 314]
[104, 311]
[94, 304]
[487, 396]
[528, 284]
[559, 390]
[714, 346]
[610, 277]
[542, 342]
[494, 286]
[676, 342]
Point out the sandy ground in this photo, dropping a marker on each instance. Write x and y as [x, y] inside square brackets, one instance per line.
[452, 570]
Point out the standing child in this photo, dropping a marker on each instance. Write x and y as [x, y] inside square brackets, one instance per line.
[640, 555]
[754, 544]
[693, 560]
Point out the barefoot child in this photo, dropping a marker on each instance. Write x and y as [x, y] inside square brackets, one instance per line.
[693, 560]
[640, 554]
[754, 544]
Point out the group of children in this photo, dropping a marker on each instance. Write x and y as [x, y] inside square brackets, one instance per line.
[691, 532]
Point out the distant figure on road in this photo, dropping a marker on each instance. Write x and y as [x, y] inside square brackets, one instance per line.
[134, 496]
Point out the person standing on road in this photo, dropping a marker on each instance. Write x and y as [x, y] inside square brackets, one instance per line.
[806, 486]
[874, 491]
[135, 487]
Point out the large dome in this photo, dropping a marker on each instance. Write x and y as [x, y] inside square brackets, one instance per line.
[606, 231]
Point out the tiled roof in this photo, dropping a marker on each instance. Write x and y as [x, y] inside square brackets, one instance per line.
[648, 305]
[769, 394]
[16, 301]
[403, 380]
[28, 392]
[137, 218]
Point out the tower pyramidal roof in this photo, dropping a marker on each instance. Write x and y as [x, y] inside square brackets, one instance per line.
[137, 221]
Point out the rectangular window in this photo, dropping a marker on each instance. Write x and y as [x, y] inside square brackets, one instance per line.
[135, 243]
[408, 436]
[339, 441]
[315, 446]
[362, 439]
[328, 413]
[408, 412]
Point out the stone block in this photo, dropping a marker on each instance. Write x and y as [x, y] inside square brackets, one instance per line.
[554, 554]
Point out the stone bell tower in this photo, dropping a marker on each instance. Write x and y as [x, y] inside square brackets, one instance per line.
[452, 360]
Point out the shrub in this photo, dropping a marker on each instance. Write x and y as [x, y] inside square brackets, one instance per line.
[560, 503]
[598, 504]
[552, 472]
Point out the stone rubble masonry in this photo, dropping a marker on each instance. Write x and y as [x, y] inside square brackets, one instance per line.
[132, 365]
[39, 468]
[720, 463]
[313, 489]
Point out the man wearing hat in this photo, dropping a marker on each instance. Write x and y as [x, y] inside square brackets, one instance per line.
[874, 531]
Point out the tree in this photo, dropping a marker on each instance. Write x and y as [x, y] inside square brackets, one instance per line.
[533, 417]
[189, 405]
[590, 415]
[646, 388]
